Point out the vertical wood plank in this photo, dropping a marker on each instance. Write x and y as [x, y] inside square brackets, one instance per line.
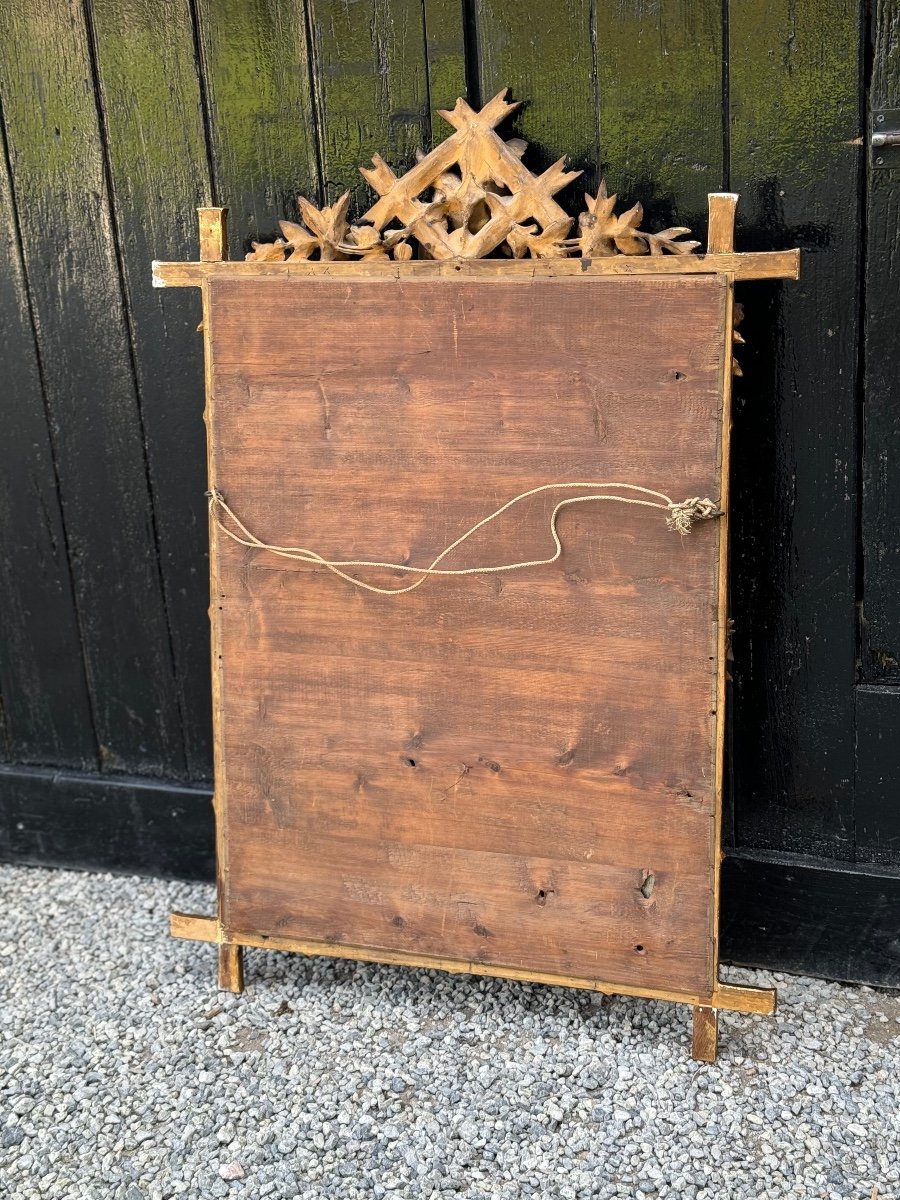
[73, 274]
[231, 968]
[705, 1034]
[373, 94]
[794, 119]
[46, 714]
[544, 54]
[445, 53]
[722, 211]
[158, 168]
[262, 118]
[213, 231]
[881, 411]
[659, 67]
[876, 812]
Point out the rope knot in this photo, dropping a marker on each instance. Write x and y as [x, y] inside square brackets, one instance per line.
[682, 516]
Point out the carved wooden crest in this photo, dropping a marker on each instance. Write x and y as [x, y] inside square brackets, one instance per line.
[469, 197]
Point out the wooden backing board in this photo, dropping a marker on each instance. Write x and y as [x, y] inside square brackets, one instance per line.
[519, 770]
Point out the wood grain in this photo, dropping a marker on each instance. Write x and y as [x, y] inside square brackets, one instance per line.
[258, 91]
[704, 1041]
[43, 685]
[529, 48]
[231, 968]
[151, 97]
[774, 264]
[71, 257]
[880, 630]
[477, 770]
[795, 160]
[661, 105]
[372, 87]
[735, 998]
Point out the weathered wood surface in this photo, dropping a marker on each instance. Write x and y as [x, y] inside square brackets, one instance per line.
[372, 87]
[50, 817]
[151, 97]
[662, 104]
[840, 918]
[477, 770]
[732, 997]
[650, 85]
[70, 253]
[877, 822]
[779, 264]
[262, 136]
[43, 686]
[881, 437]
[795, 146]
[532, 48]
[704, 1041]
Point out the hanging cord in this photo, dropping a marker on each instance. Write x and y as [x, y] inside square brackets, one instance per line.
[680, 517]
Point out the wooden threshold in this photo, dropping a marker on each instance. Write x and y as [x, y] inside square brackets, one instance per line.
[733, 997]
[768, 264]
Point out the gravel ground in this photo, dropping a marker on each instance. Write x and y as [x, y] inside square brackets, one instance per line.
[124, 1074]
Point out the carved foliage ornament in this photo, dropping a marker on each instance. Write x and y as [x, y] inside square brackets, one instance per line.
[470, 196]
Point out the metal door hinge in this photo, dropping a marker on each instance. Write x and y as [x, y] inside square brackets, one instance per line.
[886, 138]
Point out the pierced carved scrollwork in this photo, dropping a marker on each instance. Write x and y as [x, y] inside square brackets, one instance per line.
[470, 196]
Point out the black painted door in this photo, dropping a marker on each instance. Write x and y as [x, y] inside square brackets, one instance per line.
[878, 692]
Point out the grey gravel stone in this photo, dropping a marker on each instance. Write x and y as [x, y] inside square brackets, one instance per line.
[134, 1078]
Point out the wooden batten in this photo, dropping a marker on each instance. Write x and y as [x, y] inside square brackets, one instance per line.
[722, 210]
[728, 997]
[213, 223]
[763, 264]
[705, 1037]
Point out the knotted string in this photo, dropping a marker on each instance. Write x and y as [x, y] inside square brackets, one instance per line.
[680, 518]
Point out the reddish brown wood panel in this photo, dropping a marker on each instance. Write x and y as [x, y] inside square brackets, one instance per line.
[488, 768]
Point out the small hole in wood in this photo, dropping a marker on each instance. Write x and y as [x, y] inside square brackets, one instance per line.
[410, 762]
[679, 375]
[639, 949]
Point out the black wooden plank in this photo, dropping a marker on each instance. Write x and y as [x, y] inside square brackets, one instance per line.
[372, 88]
[46, 710]
[70, 260]
[660, 78]
[877, 800]
[151, 97]
[262, 120]
[662, 119]
[445, 54]
[812, 917]
[106, 823]
[880, 640]
[544, 54]
[794, 100]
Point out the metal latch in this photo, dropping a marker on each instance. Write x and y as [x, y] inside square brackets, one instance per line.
[886, 138]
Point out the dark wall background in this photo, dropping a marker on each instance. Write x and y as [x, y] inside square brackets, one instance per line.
[119, 117]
